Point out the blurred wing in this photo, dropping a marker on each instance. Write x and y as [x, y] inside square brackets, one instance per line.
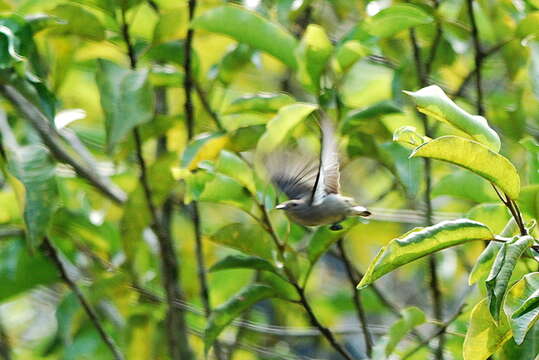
[328, 178]
[293, 173]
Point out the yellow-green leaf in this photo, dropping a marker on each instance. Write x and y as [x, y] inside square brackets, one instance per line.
[230, 164]
[420, 242]
[250, 28]
[312, 55]
[475, 157]
[432, 101]
[286, 119]
[484, 335]
[396, 18]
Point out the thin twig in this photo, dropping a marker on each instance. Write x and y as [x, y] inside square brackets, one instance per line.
[175, 321]
[51, 139]
[206, 105]
[362, 318]
[187, 80]
[52, 253]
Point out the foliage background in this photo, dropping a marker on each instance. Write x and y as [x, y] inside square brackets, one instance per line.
[109, 79]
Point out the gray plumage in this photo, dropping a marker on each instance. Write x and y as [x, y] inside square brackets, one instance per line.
[313, 186]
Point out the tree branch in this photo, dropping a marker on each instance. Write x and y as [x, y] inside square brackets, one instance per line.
[479, 57]
[434, 284]
[51, 139]
[52, 253]
[175, 321]
[362, 318]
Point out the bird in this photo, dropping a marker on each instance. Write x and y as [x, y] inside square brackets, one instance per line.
[313, 185]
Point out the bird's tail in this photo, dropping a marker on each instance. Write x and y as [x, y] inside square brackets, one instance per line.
[360, 211]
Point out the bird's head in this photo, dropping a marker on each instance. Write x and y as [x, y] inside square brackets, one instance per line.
[291, 205]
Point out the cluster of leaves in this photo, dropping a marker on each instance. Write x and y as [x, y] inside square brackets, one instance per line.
[99, 86]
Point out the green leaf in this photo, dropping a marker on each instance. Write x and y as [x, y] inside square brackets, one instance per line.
[255, 31]
[396, 18]
[239, 261]
[225, 190]
[33, 167]
[262, 102]
[409, 171]
[247, 238]
[171, 25]
[245, 138]
[501, 271]
[434, 102]
[528, 201]
[323, 238]
[484, 262]
[495, 216]
[126, 98]
[534, 64]
[420, 242]
[465, 185]
[347, 55]
[278, 128]
[359, 117]
[233, 62]
[527, 27]
[522, 305]
[79, 22]
[484, 335]
[224, 314]
[533, 152]
[411, 317]
[312, 55]
[21, 271]
[205, 146]
[474, 157]
[232, 165]
[15, 39]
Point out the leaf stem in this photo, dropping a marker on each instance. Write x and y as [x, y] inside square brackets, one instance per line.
[52, 253]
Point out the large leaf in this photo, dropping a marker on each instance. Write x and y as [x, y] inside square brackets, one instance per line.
[278, 127]
[358, 117]
[254, 30]
[224, 314]
[205, 146]
[233, 62]
[434, 102]
[420, 242]
[409, 172]
[33, 167]
[313, 54]
[484, 335]
[79, 22]
[501, 271]
[475, 157]
[347, 55]
[15, 40]
[484, 262]
[20, 270]
[247, 238]
[126, 98]
[396, 18]
[522, 305]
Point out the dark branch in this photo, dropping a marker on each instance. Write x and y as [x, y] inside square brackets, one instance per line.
[362, 318]
[52, 253]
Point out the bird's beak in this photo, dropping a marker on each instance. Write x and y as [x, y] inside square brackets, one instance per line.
[281, 207]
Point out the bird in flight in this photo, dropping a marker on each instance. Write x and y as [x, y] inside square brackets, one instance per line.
[313, 186]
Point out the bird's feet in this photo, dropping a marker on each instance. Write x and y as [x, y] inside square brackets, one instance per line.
[336, 227]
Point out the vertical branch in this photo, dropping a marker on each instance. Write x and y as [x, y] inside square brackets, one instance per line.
[434, 282]
[356, 298]
[479, 57]
[188, 84]
[188, 80]
[52, 253]
[175, 320]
